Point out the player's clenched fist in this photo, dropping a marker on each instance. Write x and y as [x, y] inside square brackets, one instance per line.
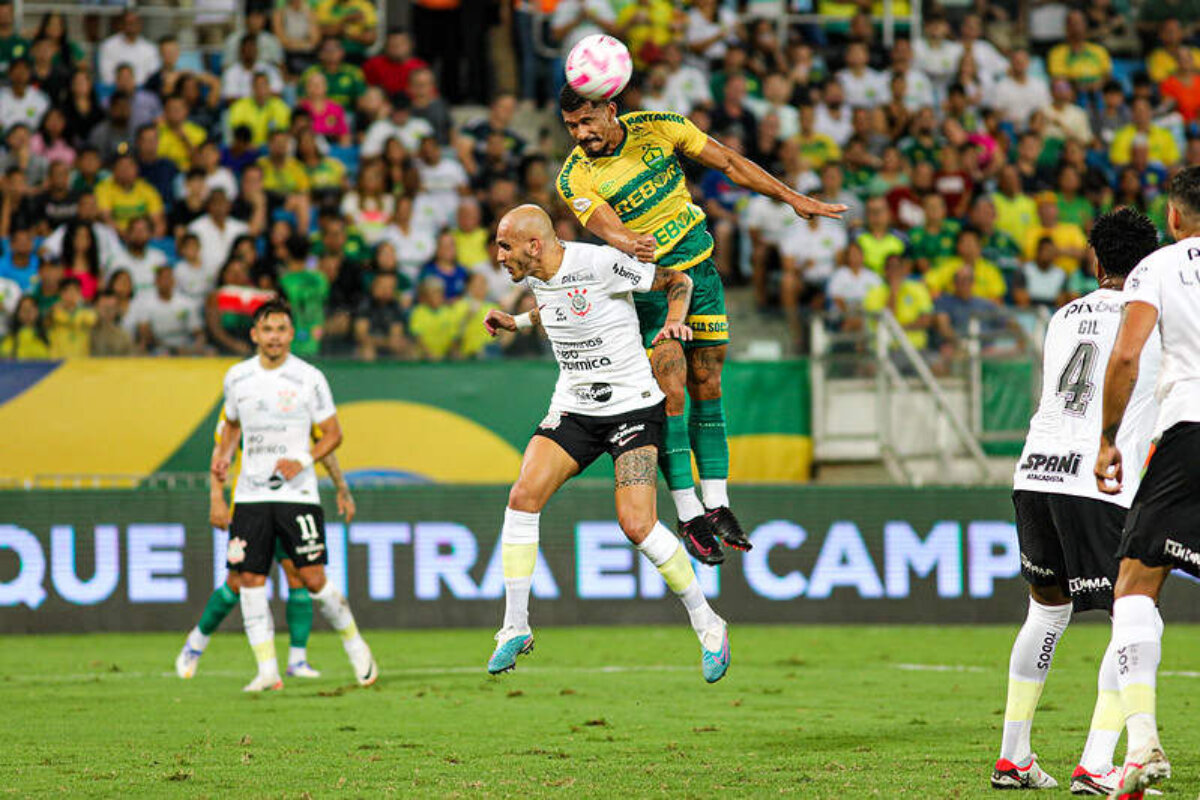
[644, 248]
[497, 320]
[1108, 469]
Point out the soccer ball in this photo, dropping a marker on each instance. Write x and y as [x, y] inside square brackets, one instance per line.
[599, 67]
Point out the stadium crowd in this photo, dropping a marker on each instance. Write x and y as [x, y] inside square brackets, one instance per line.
[150, 200]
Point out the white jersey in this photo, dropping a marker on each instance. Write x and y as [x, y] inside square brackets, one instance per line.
[277, 409]
[1169, 280]
[1064, 434]
[587, 311]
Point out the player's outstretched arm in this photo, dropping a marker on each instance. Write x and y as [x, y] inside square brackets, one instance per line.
[1137, 322]
[497, 320]
[746, 173]
[678, 287]
[605, 223]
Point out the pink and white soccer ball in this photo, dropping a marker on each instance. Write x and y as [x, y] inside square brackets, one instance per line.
[599, 67]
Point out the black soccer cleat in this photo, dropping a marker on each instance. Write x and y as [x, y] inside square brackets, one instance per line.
[700, 540]
[726, 526]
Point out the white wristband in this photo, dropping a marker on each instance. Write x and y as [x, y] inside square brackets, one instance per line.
[523, 321]
[305, 459]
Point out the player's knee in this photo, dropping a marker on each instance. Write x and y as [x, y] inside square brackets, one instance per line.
[522, 498]
[312, 579]
[635, 524]
[249, 580]
[1049, 595]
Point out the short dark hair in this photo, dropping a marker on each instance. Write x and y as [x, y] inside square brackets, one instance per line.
[1121, 239]
[1184, 190]
[571, 100]
[276, 305]
[69, 282]
[297, 247]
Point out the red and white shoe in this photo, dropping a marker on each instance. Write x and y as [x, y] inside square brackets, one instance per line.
[1008, 775]
[1100, 784]
[1142, 771]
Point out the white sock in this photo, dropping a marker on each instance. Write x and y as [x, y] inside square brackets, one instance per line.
[687, 505]
[666, 552]
[518, 545]
[1137, 637]
[1032, 656]
[715, 491]
[197, 641]
[336, 612]
[260, 629]
[297, 655]
[1107, 719]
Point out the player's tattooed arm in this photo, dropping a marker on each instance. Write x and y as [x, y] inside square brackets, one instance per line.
[637, 467]
[345, 500]
[678, 288]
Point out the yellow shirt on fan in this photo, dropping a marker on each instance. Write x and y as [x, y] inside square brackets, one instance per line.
[644, 183]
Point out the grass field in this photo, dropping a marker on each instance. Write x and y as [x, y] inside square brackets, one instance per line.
[615, 713]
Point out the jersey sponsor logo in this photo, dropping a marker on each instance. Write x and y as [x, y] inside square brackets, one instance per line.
[708, 326]
[580, 305]
[662, 182]
[1082, 585]
[627, 274]
[594, 393]
[625, 433]
[1093, 307]
[674, 228]
[581, 204]
[275, 482]
[578, 277]
[1179, 552]
[585, 364]
[235, 552]
[1051, 468]
[586, 344]
[1033, 569]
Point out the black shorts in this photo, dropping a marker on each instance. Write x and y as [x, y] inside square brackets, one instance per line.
[1163, 526]
[586, 438]
[256, 527]
[1070, 542]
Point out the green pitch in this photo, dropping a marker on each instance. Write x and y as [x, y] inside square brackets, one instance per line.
[612, 713]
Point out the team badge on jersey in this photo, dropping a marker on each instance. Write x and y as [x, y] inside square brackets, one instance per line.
[287, 401]
[235, 553]
[652, 155]
[551, 421]
[580, 305]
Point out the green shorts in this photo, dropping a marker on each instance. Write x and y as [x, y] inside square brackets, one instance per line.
[280, 551]
[706, 315]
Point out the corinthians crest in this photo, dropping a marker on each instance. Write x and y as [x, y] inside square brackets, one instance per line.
[580, 305]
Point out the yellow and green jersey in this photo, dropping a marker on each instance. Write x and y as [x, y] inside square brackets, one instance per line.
[644, 183]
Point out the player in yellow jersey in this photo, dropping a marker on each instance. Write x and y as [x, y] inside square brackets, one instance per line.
[299, 610]
[625, 183]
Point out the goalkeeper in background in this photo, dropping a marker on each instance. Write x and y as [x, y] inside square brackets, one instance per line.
[625, 184]
[225, 597]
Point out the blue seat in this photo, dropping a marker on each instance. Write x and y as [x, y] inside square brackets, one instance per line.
[167, 245]
[1124, 69]
[348, 156]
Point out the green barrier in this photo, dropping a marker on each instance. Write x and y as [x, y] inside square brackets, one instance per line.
[427, 556]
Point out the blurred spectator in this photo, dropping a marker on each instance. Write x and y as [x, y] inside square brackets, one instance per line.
[809, 249]
[1041, 282]
[1016, 212]
[69, 323]
[108, 337]
[326, 175]
[879, 241]
[434, 324]
[58, 202]
[270, 50]
[1073, 208]
[863, 86]
[192, 279]
[217, 231]
[229, 310]
[114, 136]
[937, 55]
[284, 178]
[337, 238]
[470, 237]
[1173, 52]
[415, 244]
[687, 86]
[1112, 115]
[1063, 118]
[986, 280]
[997, 246]
[48, 285]
[498, 122]
[959, 305]
[128, 47]
[711, 29]
[390, 69]
[19, 101]
[369, 208]
[328, 116]
[12, 44]
[732, 117]
[989, 63]
[1069, 239]
[646, 26]
[120, 286]
[346, 290]
[88, 213]
[19, 153]
[443, 181]
[353, 22]
[137, 257]
[165, 78]
[1159, 141]
[427, 105]
[260, 112]
[191, 206]
[908, 301]
[918, 89]
[471, 308]
[379, 320]
[1085, 64]
[849, 286]
[53, 28]
[294, 23]
[159, 172]
[238, 79]
[81, 258]
[18, 261]
[1020, 94]
[26, 339]
[81, 107]
[125, 197]
[307, 291]
[452, 275]
[344, 83]
[1181, 91]
[166, 322]
[144, 106]
[936, 240]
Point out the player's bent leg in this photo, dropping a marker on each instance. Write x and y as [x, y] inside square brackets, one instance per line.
[544, 469]
[336, 610]
[1032, 656]
[260, 631]
[219, 604]
[1137, 639]
[635, 498]
[299, 613]
[707, 436]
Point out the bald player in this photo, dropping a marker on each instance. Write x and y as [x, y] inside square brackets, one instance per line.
[606, 401]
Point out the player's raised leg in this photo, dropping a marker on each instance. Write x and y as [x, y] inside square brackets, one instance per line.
[636, 471]
[545, 467]
[675, 459]
[1137, 639]
[709, 441]
[299, 613]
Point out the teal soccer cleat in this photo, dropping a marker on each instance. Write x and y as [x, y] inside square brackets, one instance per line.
[509, 646]
[715, 662]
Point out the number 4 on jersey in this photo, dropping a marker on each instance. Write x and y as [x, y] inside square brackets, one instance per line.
[1075, 382]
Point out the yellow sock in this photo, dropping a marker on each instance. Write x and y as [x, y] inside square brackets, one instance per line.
[518, 560]
[677, 571]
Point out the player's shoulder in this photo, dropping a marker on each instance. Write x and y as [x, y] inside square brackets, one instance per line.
[240, 371]
[297, 367]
